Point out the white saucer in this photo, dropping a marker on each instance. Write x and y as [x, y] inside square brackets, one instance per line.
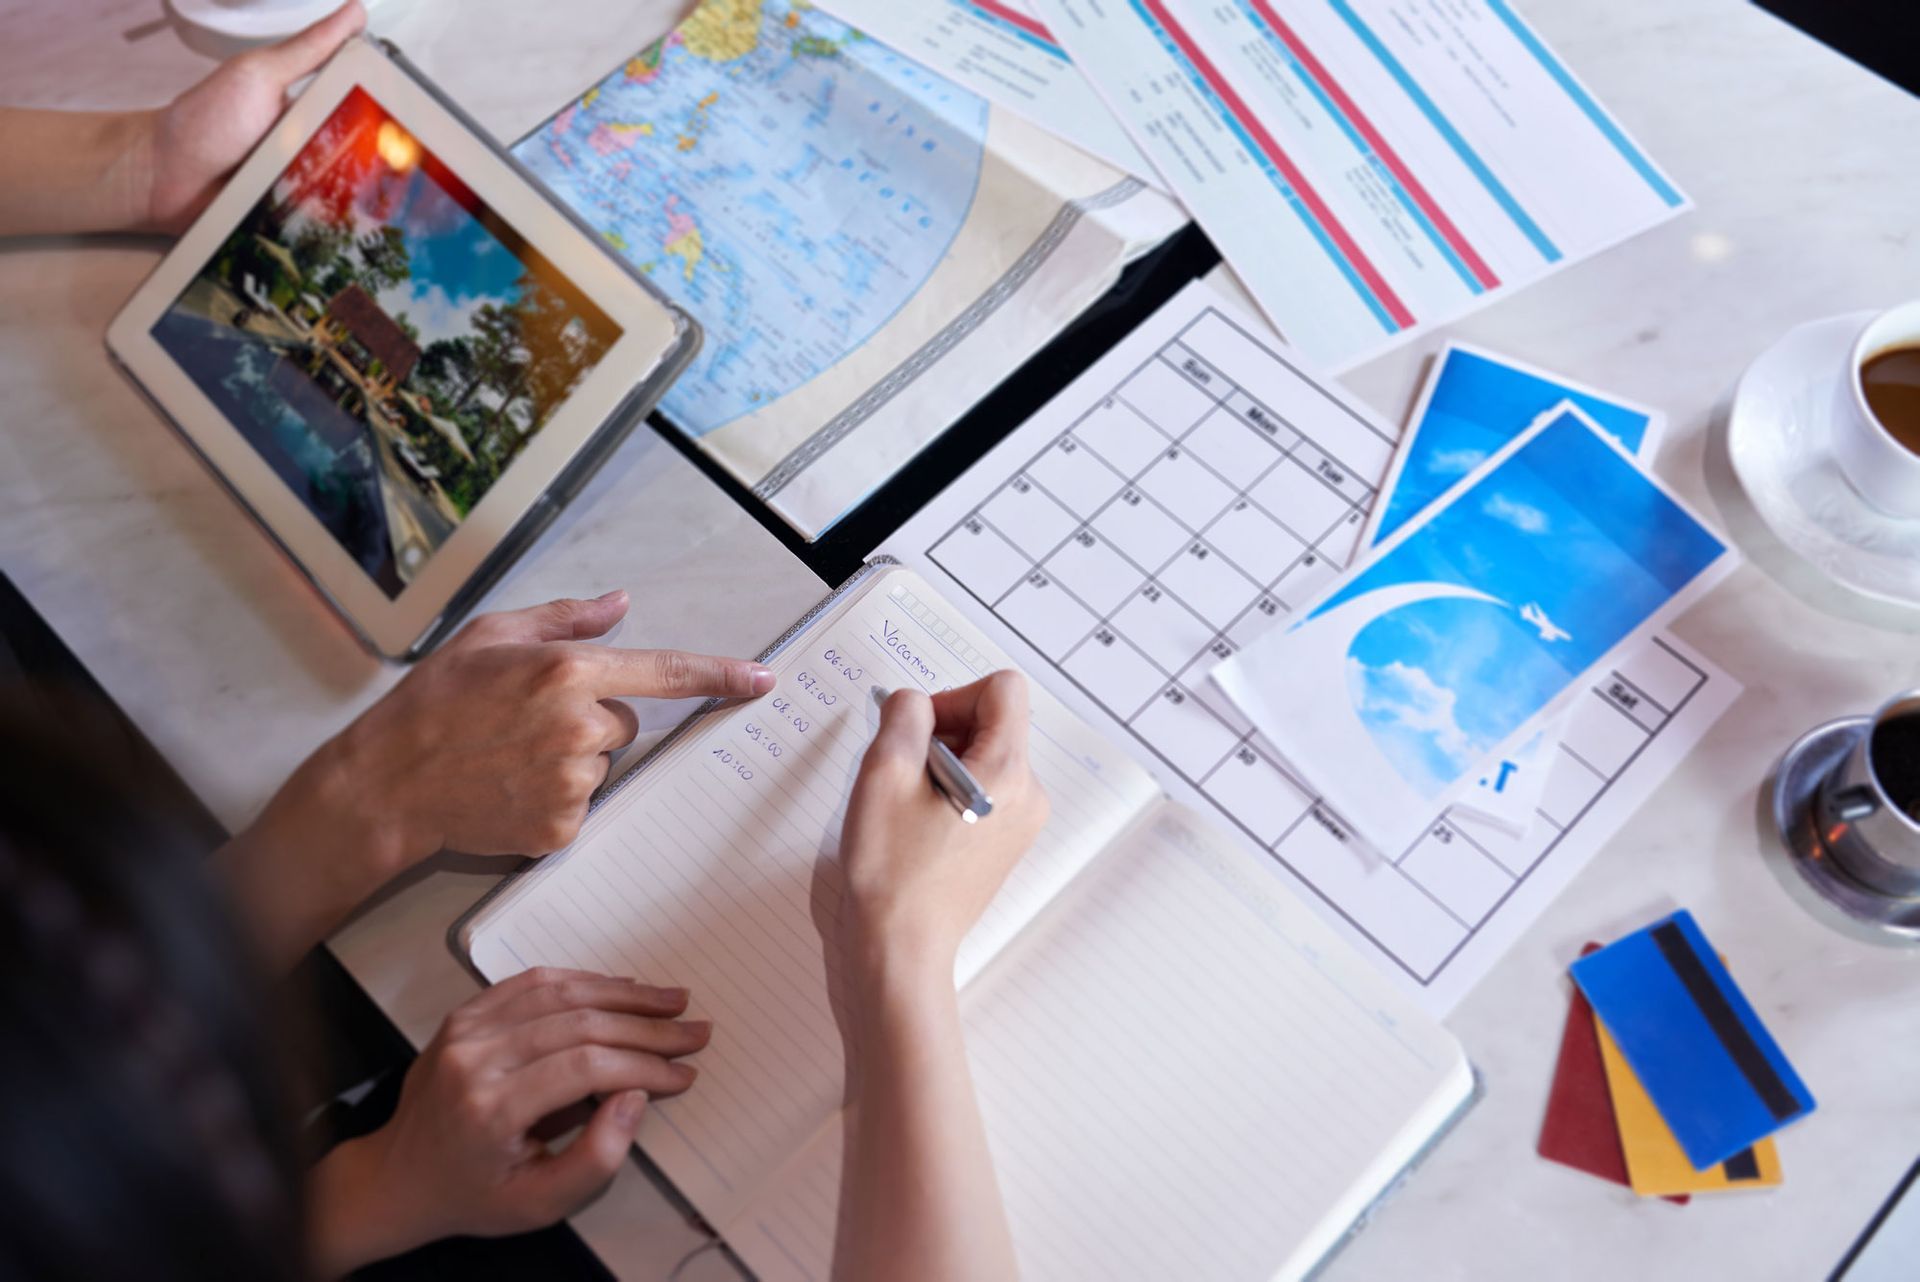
[1778, 434]
[257, 20]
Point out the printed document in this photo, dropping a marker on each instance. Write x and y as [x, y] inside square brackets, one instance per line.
[1368, 167]
[1001, 51]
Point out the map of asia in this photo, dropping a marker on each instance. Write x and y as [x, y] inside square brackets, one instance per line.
[785, 179]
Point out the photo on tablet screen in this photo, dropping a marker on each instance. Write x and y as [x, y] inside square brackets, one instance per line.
[384, 340]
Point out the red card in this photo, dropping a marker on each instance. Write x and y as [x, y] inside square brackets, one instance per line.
[1579, 1130]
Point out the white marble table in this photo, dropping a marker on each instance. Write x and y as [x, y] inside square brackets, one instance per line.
[1805, 171]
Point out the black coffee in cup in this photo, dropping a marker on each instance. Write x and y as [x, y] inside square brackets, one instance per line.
[1894, 754]
[1891, 382]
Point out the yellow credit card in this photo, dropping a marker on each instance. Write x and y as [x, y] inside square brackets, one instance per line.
[1656, 1165]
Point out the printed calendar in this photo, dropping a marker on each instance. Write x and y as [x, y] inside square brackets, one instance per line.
[1192, 490]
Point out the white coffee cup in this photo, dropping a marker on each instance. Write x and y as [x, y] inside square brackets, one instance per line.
[1885, 472]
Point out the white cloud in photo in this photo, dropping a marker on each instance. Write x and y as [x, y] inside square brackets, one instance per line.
[1523, 517]
[433, 312]
[1399, 694]
[1413, 719]
[1456, 462]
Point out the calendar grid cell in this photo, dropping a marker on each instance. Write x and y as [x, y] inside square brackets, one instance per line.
[1586, 765]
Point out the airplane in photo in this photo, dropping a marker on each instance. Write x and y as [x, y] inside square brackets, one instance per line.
[1549, 631]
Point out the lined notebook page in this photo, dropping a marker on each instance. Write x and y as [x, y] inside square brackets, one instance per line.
[717, 869]
[1183, 1074]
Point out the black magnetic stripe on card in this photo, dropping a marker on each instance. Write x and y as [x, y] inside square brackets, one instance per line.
[1741, 1166]
[1719, 1014]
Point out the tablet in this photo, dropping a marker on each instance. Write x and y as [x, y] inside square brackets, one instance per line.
[395, 349]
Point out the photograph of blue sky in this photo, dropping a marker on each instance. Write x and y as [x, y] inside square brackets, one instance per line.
[457, 264]
[1576, 547]
[1478, 405]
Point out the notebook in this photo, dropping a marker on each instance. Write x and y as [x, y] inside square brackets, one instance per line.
[1182, 1070]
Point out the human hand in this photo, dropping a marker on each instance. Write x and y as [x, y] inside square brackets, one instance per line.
[494, 744]
[199, 138]
[465, 1154]
[491, 745]
[63, 172]
[917, 876]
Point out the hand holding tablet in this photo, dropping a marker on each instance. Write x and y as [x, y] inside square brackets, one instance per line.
[395, 349]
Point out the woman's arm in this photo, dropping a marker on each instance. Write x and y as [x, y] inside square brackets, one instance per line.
[74, 171]
[67, 172]
[922, 1199]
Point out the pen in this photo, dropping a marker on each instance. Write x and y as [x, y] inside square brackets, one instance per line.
[952, 778]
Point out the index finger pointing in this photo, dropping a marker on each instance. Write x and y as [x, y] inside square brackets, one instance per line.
[678, 674]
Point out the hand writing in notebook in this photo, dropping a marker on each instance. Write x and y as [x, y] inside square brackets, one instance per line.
[917, 876]
[922, 1196]
[492, 745]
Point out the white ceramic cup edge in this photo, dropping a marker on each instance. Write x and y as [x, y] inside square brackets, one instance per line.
[1884, 472]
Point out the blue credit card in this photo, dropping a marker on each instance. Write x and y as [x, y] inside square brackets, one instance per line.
[1717, 1076]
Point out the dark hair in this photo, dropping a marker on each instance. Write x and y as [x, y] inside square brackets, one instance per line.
[142, 1132]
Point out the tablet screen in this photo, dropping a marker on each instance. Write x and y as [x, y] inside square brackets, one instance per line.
[382, 338]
